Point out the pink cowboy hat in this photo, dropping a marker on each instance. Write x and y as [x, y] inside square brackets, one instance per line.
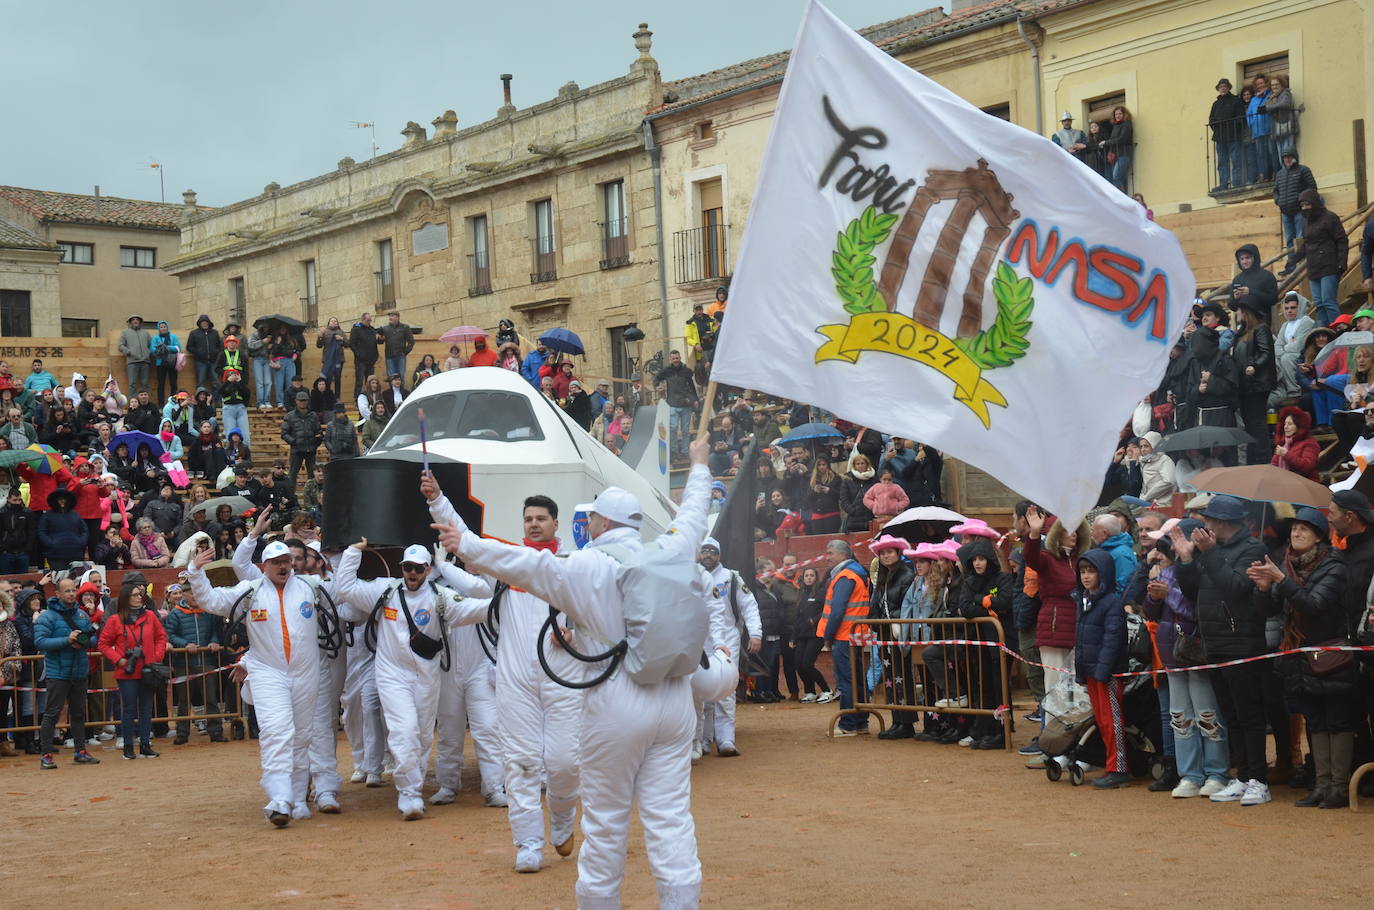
[1164, 529]
[888, 542]
[925, 550]
[948, 549]
[977, 527]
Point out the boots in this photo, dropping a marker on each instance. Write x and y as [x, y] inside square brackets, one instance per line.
[1342, 749]
[1169, 780]
[898, 730]
[1321, 764]
[7, 749]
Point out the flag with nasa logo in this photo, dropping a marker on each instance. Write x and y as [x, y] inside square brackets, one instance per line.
[920, 267]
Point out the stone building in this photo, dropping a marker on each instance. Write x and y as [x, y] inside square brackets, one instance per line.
[76, 265]
[543, 214]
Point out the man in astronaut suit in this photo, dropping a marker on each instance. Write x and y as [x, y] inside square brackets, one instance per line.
[636, 739]
[408, 684]
[283, 666]
[717, 721]
[538, 719]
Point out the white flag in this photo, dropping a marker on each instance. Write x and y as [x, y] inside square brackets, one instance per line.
[922, 268]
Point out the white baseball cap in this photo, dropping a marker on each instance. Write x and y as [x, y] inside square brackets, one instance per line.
[315, 545]
[274, 549]
[615, 504]
[417, 554]
[712, 543]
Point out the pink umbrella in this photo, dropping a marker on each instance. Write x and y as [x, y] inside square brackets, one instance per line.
[463, 333]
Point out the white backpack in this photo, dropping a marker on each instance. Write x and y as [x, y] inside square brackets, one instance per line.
[666, 619]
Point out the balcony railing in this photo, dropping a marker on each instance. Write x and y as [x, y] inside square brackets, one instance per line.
[479, 274]
[615, 243]
[700, 254]
[386, 290]
[545, 260]
[1239, 163]
[310, 311]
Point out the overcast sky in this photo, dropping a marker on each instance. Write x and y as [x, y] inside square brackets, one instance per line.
[229, 97]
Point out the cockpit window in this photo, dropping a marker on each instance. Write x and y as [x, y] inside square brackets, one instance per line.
[494, 415]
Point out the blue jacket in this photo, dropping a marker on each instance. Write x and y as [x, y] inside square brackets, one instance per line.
[163, 351]
[50, 635]
[62, 535]
[1257, 118]
[530, 368]
[1122, 551]
[1099, 647]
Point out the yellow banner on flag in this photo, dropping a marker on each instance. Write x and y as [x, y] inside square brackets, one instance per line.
[893, 333]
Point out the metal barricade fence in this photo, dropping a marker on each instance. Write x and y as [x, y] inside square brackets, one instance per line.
[199, 678]
[925, 661]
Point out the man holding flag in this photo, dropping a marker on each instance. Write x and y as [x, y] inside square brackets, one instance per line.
[957, 284]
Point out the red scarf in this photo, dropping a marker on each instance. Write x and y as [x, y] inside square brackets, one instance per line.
[550, 545]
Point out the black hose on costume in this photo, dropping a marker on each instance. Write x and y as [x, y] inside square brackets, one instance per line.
[615, 655]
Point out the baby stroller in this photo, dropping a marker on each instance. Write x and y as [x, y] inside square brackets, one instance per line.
[1071, 741]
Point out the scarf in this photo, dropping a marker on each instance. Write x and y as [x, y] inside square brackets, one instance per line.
[166, 435]
[150, 545]
[207, 438]
[550, 545]
[189, 611]
[1299, 568]
[863, 475]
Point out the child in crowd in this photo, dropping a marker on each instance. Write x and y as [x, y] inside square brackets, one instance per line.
[1099, 652]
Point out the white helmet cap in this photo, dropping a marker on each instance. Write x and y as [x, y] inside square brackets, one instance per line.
[615, 504]
[274, 549]
[417, 554]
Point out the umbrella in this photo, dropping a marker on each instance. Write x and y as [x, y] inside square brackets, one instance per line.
[1348, 340]
[50, 460]
[811, 431]
[239, 504]
[463, 333]
[133, 439]
[1264, 483]
[1205, 438]
[923, 523]
[12, 457]
[288, 321]
[563, 341]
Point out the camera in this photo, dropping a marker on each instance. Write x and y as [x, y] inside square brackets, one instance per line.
[131, 656]
[83, 639]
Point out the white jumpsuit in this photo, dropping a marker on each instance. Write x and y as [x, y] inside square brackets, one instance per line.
[407, 684]
[717, 720]
[636, 740]
[538, 719]
[467, 697]
[362, 709]
[283, 664]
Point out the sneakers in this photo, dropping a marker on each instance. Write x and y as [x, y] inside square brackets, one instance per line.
[358, 777]
[527, 859]
[966, 741]
[388, 771]
[960, 702]
[1256, 793]
[1035, 716]
[374, 780]
[726, 750]
[412, 808]
[697, 752]
[808, 699]
[1231, 793]
[300, 811]
[46, 762]
[1212, 786]
[146, 750]
[841, 731]
[1030, 748]
[1186, 789]
[104, 737]
[1036, 761]
[69, 743]
[84, 758]
[1112, 780]
[444, 797]
[826, 698]
[496, 799]
[328, 803]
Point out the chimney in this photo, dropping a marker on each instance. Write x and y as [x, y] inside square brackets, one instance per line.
[188, 198]
[97, 199]
[446, 124]
[414, 133]
[505, 110]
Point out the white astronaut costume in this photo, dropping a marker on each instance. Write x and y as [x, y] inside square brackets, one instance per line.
[467, 699]
[323, 752]
[407, 684]
[636, 740]
[538, 720]
[283, 664]
[364, 723]
[717, 719]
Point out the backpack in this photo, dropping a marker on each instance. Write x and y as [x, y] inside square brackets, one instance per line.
[331, 631]
[666, 622]
[424, 646]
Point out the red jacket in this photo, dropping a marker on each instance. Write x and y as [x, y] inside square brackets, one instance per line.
[483, 358]
[146, 632]
[41, 486]
[1302, 451]
[87, 490]
[1054, 628]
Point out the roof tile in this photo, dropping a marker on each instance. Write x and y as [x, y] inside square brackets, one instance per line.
[74, 208]
[12, 237]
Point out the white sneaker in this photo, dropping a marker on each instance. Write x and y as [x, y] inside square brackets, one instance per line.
[960, 702]
[374, 780]
[696, 752]
[70, 743]
[1231, 793]
[328, 803]
[826, 698]
[300, 811]
[358, 777]
[119, 742]
[444, 797]
[388, 771]
[527, 859]
[104, 737]
[412, 808]
[1212, 787]
[808, 698]
[1256, 794]
[108, 728]
[966, 741]
[496, 799]
[1186, 789]
[841, 731]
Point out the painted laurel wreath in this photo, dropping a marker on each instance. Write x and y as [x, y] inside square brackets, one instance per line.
[996, 346]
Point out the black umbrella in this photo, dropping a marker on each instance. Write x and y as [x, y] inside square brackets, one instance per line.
[1205, 438]
[278, 318]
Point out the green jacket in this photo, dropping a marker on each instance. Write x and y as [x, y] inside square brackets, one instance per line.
[191, 628]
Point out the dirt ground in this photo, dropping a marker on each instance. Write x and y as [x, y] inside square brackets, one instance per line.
[797, 821]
